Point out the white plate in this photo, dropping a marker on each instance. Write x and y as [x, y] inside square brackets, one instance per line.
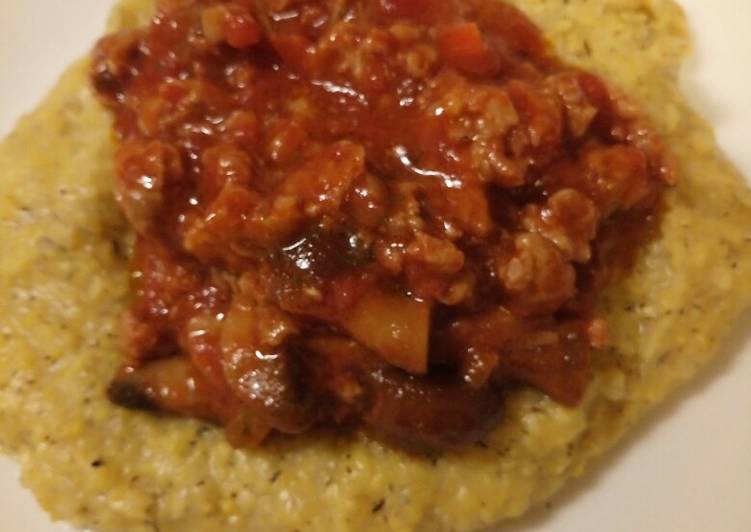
[687, 468]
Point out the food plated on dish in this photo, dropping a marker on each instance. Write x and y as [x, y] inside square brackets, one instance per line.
[419, 228]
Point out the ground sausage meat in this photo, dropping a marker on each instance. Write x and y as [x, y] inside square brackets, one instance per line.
[381, 214]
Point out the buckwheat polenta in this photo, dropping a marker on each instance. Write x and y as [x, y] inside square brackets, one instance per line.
[63, 284]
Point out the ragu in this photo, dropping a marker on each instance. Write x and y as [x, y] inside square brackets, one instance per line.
[370, 214]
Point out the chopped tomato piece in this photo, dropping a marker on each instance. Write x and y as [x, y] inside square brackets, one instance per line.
[242, 30]
[463, 47]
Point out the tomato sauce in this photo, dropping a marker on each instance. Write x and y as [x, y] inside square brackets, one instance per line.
[382, 214]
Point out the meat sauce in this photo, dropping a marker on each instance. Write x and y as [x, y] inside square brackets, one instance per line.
[376, 214]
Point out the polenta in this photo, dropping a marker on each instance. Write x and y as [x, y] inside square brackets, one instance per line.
[65, 284]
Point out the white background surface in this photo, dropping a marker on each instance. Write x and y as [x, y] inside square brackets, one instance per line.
[688, 468]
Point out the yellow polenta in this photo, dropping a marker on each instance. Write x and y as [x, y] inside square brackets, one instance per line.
[63, 283]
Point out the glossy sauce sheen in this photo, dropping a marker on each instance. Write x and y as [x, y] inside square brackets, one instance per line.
[379, 213]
